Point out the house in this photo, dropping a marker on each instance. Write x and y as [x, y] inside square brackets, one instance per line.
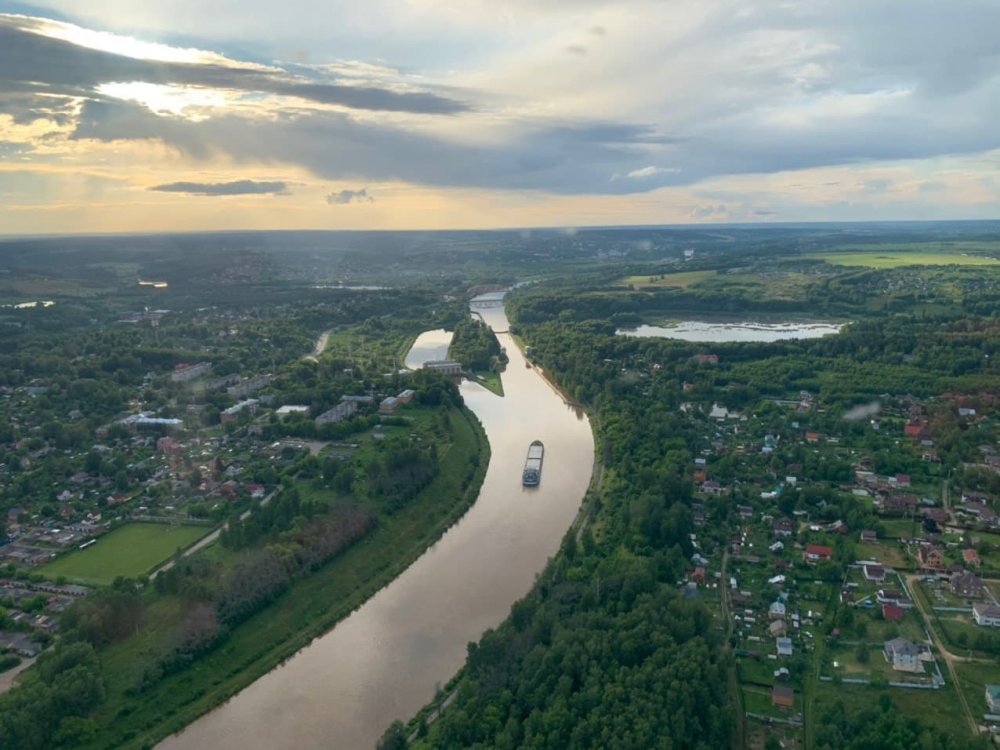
[967, 584]
[777, 547]
[813, 437]
[289, 409]
[185, 373]
[993, 698]
[406, 396]
[817, 553]
[444, 366]
[745, 511]
[783, 646]
[868, 537]
[986, 615]
[232, 413]
[930, 557]
[698, 575]
[902, 480]
[776, 611]
[873, 573]
[712, 488]
[784, 527]
[892, 613]
[777, 629]
[707, 359]
[891, 596]
[389, 405]
[782, 697]
[916, 430]
[903, 655]
[342, 411]
[899, 503]
[971, 557]
[249, 385]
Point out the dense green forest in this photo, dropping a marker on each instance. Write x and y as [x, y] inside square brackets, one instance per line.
[475, 345]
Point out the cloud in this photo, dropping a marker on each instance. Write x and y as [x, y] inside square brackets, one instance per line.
[237, 187]
[713, 89]
[344, 197]
[56, 66]
[651, 172]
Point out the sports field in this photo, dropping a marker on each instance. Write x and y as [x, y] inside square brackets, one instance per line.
[895, 259]
[130, 551]
[667, 280]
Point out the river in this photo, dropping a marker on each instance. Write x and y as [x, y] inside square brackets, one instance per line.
[385, 660]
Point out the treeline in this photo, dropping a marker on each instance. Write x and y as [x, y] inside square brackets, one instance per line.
[882, 727]
[49, 708]
[280, 514]
[475, 345]
[217, 599]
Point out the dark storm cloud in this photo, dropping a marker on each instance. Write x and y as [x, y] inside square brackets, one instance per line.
[343, 197]
[237, 187]
[56, 67]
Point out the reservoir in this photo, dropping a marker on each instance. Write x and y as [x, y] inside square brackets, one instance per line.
[385, 660]
[724, 332]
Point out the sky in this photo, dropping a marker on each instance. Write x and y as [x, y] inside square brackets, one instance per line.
[181, 115]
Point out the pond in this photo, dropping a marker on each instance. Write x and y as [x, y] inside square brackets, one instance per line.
[734, 331]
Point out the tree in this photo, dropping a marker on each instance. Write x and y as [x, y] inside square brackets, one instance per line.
[394, 737]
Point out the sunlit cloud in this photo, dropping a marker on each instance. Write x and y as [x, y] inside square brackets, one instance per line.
[125, 46]
[190, 102]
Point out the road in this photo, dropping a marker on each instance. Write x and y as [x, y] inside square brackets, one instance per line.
[206, 540]
[948, 657]
[320, 346]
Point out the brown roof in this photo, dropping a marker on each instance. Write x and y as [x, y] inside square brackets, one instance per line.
[783, 696]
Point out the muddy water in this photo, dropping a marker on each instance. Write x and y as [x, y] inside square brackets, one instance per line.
[385, 660]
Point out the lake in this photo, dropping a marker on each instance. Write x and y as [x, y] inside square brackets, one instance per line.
[724, 332]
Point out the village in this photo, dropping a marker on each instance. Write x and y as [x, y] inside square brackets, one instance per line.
[855, 559]
[160, 479]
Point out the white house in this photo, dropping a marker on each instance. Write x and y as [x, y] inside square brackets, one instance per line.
[986, 615]
[903, 655]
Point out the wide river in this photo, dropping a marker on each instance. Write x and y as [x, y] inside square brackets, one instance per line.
[386, 659]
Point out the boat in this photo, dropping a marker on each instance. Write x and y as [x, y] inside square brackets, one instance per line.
[533, 464]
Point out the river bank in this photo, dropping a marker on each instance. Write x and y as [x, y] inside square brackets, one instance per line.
[307, 610]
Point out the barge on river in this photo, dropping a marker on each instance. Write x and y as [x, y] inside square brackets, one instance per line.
[533, 465]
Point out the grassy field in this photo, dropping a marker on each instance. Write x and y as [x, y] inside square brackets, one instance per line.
[680, 280]
[490, 380]
[130, 551]
[896, 258]
[937, 708]
[305, 611]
